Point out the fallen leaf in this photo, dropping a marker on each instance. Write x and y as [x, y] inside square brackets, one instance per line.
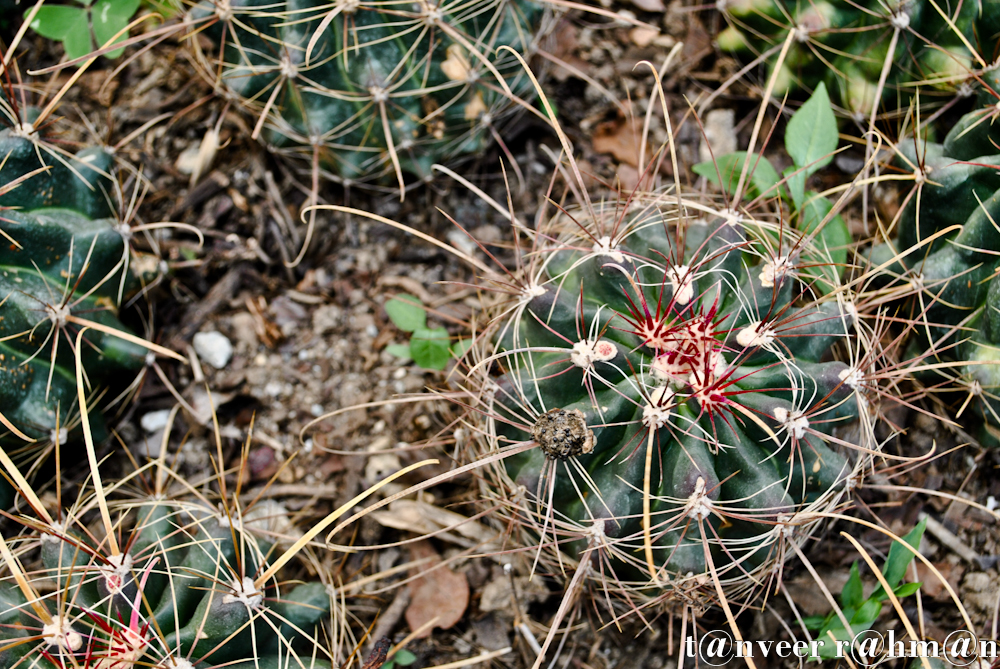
[621, 139]
[439, 595]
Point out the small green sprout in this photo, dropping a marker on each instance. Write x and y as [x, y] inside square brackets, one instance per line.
[402, 658]
[430, 349]
[87, 27]
[862, 612]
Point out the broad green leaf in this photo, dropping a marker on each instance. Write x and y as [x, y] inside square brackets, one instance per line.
[57, 22]
[400, 350]
[430, 348]
[853, 593]
[404, 658]
[834, 236]
[406, 312]
[899, 558]
[78, 42]
[813, 623]
[811, 135]
[460, 347]
[764, 178]
[110, 16]
[866, 614]
[906, 589]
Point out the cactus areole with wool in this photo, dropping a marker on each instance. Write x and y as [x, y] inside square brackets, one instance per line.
[683, 365]
[374, 90]
[61, 263]
[846, 44]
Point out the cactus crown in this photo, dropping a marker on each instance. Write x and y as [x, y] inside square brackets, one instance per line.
[374, 89]
[672, 363]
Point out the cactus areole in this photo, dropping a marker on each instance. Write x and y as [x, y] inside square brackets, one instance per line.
[62, 263]
[371, 91]
[677, 376]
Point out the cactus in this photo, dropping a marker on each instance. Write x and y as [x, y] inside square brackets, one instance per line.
[65, 270]
[172, 584]
[667, 389]
[954, 275]
[375, 89]
[846, 44]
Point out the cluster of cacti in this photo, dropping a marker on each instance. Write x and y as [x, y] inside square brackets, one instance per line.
[946, 253]
[375, 89]
[65, 270]
[847, 44]
[667, 374]
[171, 584]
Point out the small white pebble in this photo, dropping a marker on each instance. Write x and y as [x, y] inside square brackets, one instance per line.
[155, 420]
[316, 410]
[214, 348]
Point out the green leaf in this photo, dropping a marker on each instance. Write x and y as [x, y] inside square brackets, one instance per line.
[853, 593]
[460, 347]
[811, 137]
[763, 179]
[906, 589]
[899, 558]
[834, 235]
[400, 351]
[78, 42]
[814, 623]
[866, 614]
[57, 22]
[109, 17]
[406, 312]
[430, 348]
[404, 658]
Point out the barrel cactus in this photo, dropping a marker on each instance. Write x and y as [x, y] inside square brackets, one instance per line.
[664, 381]
[173, 584]
[946, 257]
[846, 44]
[65, 270]
[371, 90]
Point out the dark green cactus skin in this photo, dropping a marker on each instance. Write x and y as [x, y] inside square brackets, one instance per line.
[756, 477]
[332, 103]
[847, 45]
[50, 223]
[187, 606]
[958, 271]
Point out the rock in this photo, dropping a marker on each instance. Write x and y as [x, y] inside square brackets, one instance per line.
[720, 134]
[214, 348]
[154, 421]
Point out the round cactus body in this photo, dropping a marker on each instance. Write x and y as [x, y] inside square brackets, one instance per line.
[676, 376]
[182, 595]
[374, 89]
[845, 44]
[955, 274]
[64, 269]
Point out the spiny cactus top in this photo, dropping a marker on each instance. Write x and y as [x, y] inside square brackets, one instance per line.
[63, 261]
[675, 373]
[846, 44]
[374, 89]
[955, 276]
[185, 592]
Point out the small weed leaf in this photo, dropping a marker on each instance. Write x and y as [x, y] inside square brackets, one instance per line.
[73, 25]
[431, 348]
[853, 593]
[406, 312]
[810, 139]
[401, 351]
[402, 658]
[899, 558]
[763, 179]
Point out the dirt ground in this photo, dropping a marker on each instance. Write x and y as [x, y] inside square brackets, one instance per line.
[312, 339]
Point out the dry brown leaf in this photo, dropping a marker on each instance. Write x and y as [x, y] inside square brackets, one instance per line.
[621, 139]
[441, 594]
